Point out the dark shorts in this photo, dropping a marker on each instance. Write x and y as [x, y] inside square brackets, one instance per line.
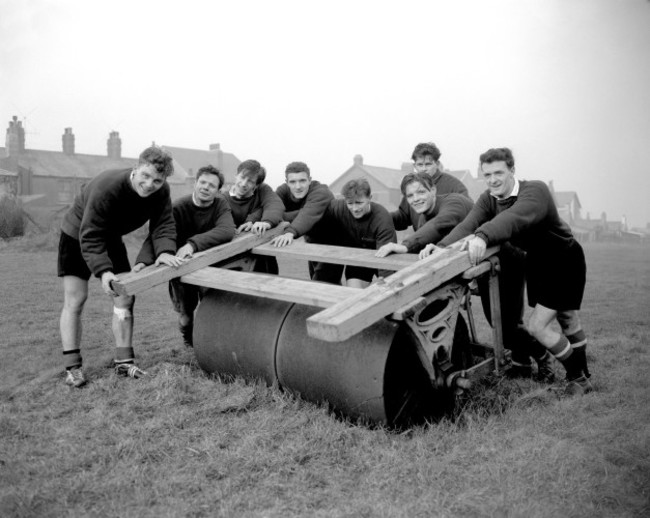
[71, 261]
[557, 281]
[185, 297]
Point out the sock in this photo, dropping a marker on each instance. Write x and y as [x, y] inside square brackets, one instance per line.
[578, 341]
[72, 359]
[572, 363]
[562, 349]
[124, 355]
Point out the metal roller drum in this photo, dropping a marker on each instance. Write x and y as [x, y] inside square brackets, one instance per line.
[237, 334]
[374, 376]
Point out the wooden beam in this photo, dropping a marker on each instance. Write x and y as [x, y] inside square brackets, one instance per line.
[338, 255]
[311, 293]
[317, 294]
[131, 283]
[343, 320]
[409, 309]
[478, 270]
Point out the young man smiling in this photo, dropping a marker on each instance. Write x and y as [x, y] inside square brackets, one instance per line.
[305, 201]
[524, 214]
[431, 216]
[203, 219]
[111, 205]
[426, 160]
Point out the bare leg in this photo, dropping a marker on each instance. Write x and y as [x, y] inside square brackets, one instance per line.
[540, 326]
[572, 329]
[123, 320]
[184, 319]
[560, 347]
[75, 294]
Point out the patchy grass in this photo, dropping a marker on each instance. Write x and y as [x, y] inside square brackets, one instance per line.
[181, 443]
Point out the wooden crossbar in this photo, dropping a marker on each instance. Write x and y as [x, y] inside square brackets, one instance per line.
[338, 255]
[271, 286]
[350, 316]
[310, 293]
[132, 283]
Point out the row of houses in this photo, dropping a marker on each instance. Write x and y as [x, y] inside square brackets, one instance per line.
[53, 178]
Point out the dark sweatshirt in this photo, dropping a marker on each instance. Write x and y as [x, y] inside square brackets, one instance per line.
[203, 227]
[430, 227]
[263, 205]
[372, 231]
[303, 214]
[529, 221]
[108, 208]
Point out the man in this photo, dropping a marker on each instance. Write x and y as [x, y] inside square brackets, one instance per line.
[355, 221]
[524, 214]
[255, 207]
[203, 220]
[305, 201]
[111, 205]
[426, 159]
[431, 216]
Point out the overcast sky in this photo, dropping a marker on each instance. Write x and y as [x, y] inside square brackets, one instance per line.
[564, 83]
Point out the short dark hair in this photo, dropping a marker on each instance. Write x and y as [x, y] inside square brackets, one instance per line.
[296, 167]
[210, 169]
[159, 158]
[356, 187]
[252, 169]
[498, 154]
[421, 178]
[426, 148]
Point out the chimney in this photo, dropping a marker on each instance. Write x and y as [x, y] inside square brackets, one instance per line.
[407, 168]
[216, 148]
[114, 145]
[68, 141]
[358, 160]
[15, 139]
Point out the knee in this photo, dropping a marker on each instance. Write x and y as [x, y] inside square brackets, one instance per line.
[124, 302]
[74, 301]
[123, 307]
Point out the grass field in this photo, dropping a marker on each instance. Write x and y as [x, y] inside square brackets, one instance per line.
[181, 443]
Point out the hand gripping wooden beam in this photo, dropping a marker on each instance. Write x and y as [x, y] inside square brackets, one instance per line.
[131, 283]
[359, 311]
